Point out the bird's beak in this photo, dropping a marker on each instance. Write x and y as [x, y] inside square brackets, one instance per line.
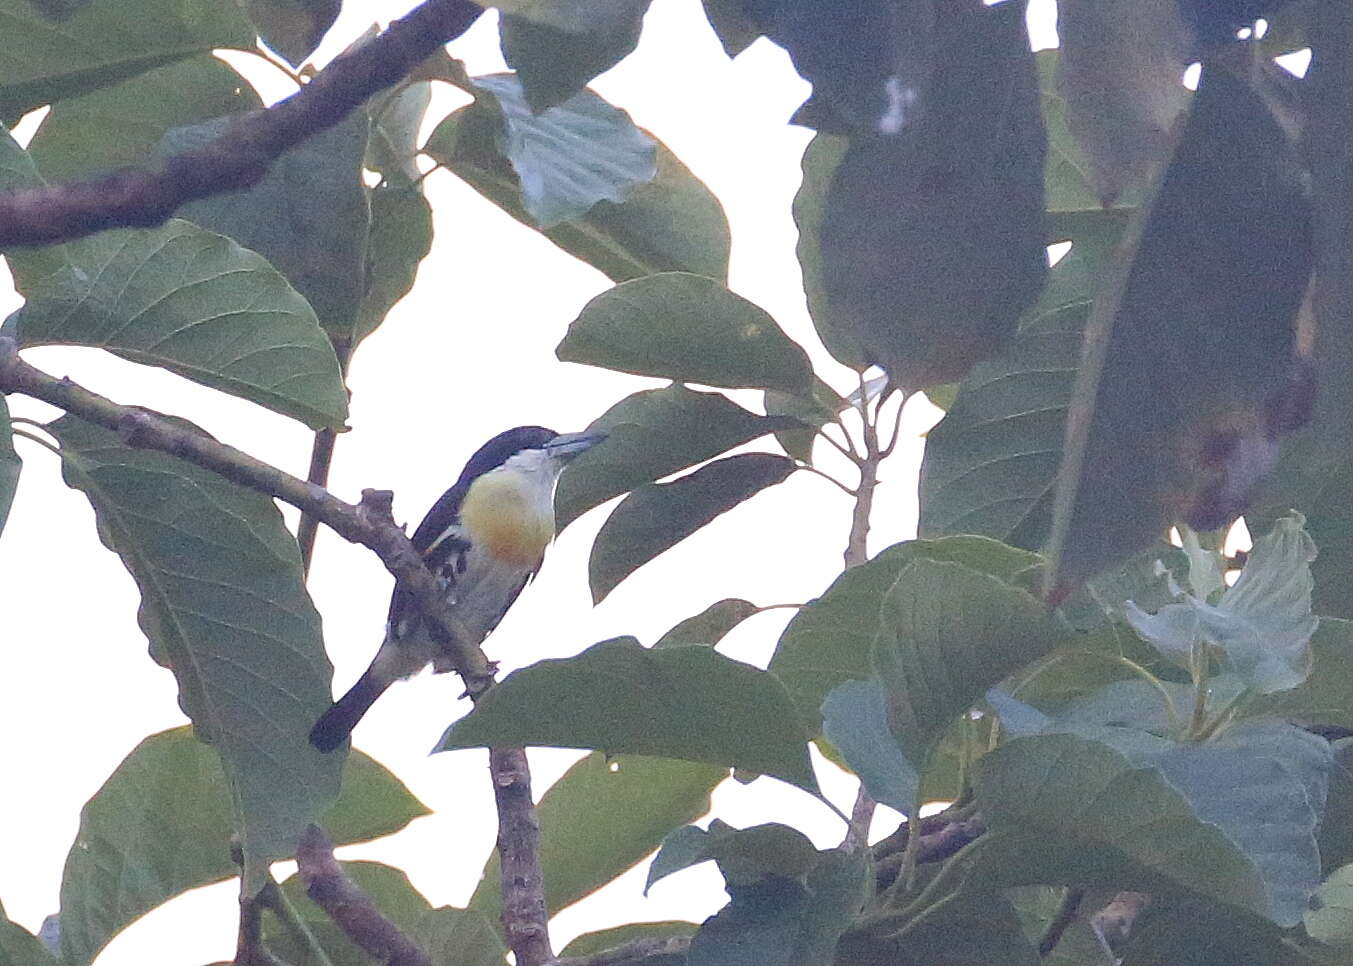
[565, 446]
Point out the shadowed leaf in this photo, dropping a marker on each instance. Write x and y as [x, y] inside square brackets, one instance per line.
[553, 64]
[10, 464]
[711, 624]
[293, 28]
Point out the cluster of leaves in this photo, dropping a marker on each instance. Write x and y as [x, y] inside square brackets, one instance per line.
[1138, 738]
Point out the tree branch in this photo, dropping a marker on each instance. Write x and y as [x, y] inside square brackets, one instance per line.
[653, 952]
[240, 156]
[349, 907]
[369, 523]
[525, 918]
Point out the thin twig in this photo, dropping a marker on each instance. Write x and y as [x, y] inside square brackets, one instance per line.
[634, 953]
[857, 551]
[828, 477]
[349, 907]
[1064, 917]
[849, 451]
[240, 156]
[897, 427]
[525, 918]
[321, 460]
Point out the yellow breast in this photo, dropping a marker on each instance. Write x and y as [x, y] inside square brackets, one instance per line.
[510, 516]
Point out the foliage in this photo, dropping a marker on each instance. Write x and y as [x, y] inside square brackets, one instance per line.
[1105, 713]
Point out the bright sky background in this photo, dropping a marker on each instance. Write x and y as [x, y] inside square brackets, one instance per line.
[470, 352]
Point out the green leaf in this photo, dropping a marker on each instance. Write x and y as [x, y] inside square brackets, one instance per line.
[120, 125]
[160, 825]
[459, 937]
[10, 464]
[1335, 836]
[396, 122]
[689, 328]
[710, 625]
[671, 223]
[946, 634]
[224, 604]
[600, 819]
[855, 721]
[829, 640]
[991, 464]
[735, 30]
[309, 215]
[553, 63]
[1326, 697]
[964, 929]
[591, 943]
[401, 237]
[810, 414]
[393, 896]
[199, 305]
[103, 43]
[744, 856]
[690, 703]
[658, 516]
[651, 434]
[293, 28]
[19, 947]
[1068, 810]
[1203, 934]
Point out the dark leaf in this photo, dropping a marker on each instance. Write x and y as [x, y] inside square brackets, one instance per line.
[199, 305]
[651, 434]
[591, 943]
[600, 819]
[1335, 836]
[553, 63]
[829, 640]
[1177, 415]
[401, 237]
[855, 721]
[309, 216]
[964, 929]
[396, 121]
[1326, 697]
[735, 30]
[10, 464]
[744, 856]
[102, 43]
[957, 198]
[224, 604]
[812, 413]
[688, 702]
[293, 28]
[121, 125]
[1203, 934]
[710, 625]
[689, 328]
[658, 516]
[161, 825]
[580, 16]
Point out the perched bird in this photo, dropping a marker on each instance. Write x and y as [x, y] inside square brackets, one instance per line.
[484, 539]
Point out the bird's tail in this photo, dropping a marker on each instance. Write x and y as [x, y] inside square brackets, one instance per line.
[337, 723]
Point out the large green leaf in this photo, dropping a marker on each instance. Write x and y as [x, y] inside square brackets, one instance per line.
[671, 223]
[601, 818]
[689, 328]
[224, 604]
[946, 634]
[160, 825]
[394, 897]
[553, 63]
[459, 937]
[293, 28]
[1204, 934]
[963, 929]
[991, 464]
[309, 215]
[401, 237]
[658, 516]
[689, 702]
[120, 125]
[199, 305]
[855, 721]
[1326, 696]
[19, 947]
[652, 433]
[829, 640]
[10, 464]
[102, 43]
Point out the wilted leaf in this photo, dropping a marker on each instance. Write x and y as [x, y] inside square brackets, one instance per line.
[121, 124]
[1196, 339]
[711, 624]
[689, 328]
[101, 43]
[293, 28]
[957, 197]
[554, 63]
[10, 464]
[651, 434]
[600, 819]
[687, 702]
[855, 721]
[224, 604]
[658, 516]
[829, 640]
[161, 825]
[199, 305]
[309, 215]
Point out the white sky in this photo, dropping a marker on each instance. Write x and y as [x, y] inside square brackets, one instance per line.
[470, 352]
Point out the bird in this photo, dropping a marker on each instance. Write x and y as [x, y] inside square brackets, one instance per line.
[484, 540]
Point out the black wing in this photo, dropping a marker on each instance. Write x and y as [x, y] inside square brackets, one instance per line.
[440, 543]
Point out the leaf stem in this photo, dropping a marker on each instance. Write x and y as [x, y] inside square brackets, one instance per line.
[829, 478]
[275, 899]
[33, 437]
